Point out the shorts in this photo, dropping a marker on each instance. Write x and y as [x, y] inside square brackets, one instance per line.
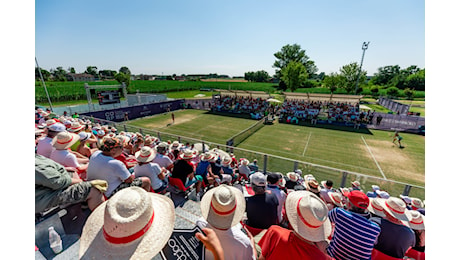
[75, 193]
[164, 185]
[136, 182]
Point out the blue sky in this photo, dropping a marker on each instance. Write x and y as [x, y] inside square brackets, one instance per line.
[231, 37]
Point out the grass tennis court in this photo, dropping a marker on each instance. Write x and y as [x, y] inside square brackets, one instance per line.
[368, 152]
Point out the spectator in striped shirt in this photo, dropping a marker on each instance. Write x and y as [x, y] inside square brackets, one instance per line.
[354, 235]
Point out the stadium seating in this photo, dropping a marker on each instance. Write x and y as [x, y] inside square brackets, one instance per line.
[377, 255]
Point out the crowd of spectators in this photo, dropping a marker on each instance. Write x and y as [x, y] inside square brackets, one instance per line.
[246, 214]
[256, 107]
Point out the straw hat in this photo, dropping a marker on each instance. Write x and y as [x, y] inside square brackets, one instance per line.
[292, 176]
[187, 154]
[336, 198]
[312, 185]
[382, 194]
[175, 145]
[307, 214]
[64, 140]
[133, 224]
[206, 156]
[375, 206]
[84, 136]
[223, 207]
[355, 184]
[145, 154]
[75, 126]
[396, 208]
[282, 183]
[418, 220]
[308, 177]
[417, 203]
[148, 141]
[50, 122]
[244, 161]
[226, 161]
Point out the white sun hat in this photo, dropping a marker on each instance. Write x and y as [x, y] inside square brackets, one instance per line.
[307, 214]
[132, 224]
[64, 140]
[145, 154]
[223, 207]
[396, 208]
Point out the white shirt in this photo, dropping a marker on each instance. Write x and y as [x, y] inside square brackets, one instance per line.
[102, 167]
[235, 244]
[162, 160]
[150, 170]
[44, 146]
[324, 195]
[64, 157]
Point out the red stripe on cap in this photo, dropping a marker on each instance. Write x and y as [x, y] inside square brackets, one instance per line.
[392, 209]
[223, 212]
[301, 217]
[130, 238]
[335, 199]
[417, 223]
[71, 138]
[374, 207]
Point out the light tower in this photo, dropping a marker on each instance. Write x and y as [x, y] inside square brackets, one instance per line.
[364, 47]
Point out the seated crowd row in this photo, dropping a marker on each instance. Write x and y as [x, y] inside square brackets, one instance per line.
[280, 216]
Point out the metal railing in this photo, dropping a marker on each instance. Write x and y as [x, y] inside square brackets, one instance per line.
[274, 163]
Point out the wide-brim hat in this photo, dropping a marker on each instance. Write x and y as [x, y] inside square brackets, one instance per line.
[207, 156]
[75, 126]
[133, 224]
[282, 183]
[312, 185]
[84, 136]
[336, 198]
[418, 220]
[307, 214]
[396, 208]
[244, 161]
[382, 194]
[292, 176]
[64, 140]
[355, 184]
[223, 207]
[187, 154]
[145, 154]
[416, 202]
[175, 145]
[226, 161]
[375, 206]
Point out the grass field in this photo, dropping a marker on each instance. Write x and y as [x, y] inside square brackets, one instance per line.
[369, 152]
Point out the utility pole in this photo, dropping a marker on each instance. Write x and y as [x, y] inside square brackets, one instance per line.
[364, 47]
[44, 85]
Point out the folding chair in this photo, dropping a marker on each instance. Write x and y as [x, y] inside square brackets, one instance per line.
[414, 254]
[377, 255]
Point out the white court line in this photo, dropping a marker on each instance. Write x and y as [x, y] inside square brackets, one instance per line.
[378, 166]
[306, 145]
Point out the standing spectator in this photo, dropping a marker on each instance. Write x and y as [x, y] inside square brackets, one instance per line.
[307, 215]
[44, 145]
[104, 166]
[273, 180]
[222, 209]
[55, 186]
[395, 238]
[354, 235]
[147, 168]
[262, 208]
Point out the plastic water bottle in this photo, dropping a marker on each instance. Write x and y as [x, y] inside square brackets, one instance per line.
[55, 240]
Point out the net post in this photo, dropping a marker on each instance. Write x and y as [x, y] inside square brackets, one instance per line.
[344, 179]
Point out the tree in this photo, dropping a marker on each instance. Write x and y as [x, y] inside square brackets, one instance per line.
[125, 70]
[294, 74]
[71, 70]
[258, 76]
[290, 53]
[333, 81]
[375, 91]
[392, 92]
[350, 73]
[122, 77]
[92, 70]
[416, 81]
[59, 74]
[409, 93]
[46, 74]
[385, 74]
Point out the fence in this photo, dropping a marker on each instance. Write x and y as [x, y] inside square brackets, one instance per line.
[394, 106]
[401, 122]
[273, 163]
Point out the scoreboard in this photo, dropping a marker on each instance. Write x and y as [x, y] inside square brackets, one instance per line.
[108, 97]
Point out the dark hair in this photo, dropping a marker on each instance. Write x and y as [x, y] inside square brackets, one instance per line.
[329, 183]
[273, 178]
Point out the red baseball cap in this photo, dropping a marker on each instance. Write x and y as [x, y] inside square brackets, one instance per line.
[358, 198]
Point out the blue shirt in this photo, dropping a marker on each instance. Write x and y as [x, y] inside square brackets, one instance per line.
[202, 167]
[394, 239]
[354, 235]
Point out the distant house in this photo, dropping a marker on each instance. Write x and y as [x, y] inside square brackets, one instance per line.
[80, 77]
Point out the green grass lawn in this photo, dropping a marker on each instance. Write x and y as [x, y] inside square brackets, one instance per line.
[366, 152]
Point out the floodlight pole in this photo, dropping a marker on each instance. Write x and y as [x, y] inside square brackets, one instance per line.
[364, 47]
[44, 85]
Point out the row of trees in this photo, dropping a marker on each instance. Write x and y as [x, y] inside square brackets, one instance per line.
[295, 69]
[60, 74]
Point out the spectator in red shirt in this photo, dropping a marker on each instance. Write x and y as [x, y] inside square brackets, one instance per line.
[307, 215]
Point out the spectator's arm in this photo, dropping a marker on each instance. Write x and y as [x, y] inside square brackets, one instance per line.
[129, 179]
[211, 242]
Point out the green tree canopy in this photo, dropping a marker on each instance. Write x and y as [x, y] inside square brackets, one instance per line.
[46, 74]
[122, 77]
[125, 70]
[350, 73]
[333, 81]
[293, 53]
[294, 75]
[59, 74]
[92, 70]
[416, 81]
[258, 76]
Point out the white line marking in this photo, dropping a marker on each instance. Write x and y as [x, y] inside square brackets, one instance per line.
[378, 166]
[306, 145]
